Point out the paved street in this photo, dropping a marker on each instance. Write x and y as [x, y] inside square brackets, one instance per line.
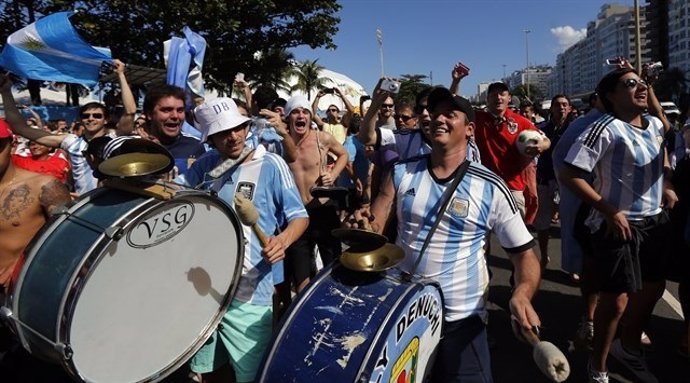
[558, 305]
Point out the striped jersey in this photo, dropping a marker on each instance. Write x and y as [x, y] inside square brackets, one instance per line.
[411, 143]
[455, 257]
[265, 180]
[82, 173]
[627, 163]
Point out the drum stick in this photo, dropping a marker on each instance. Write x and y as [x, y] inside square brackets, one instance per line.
[247, 213]
[547, 357]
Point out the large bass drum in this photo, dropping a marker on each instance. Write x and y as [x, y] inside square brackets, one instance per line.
[350, 326]
[126, 288]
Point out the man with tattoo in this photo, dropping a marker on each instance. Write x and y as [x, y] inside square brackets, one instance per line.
[26, 201]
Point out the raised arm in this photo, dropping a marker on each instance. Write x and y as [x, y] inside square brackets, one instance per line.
[653, 104]
[37, 117]
[348, 106]
[459, 72]
[126, 124]
[243, 86]
[17, 122]
[315, 108]
[367, 133]
[289, 147]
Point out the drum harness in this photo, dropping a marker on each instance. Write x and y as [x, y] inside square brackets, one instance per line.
[459, 175]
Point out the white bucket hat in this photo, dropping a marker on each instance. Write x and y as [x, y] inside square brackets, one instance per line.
[217, 116]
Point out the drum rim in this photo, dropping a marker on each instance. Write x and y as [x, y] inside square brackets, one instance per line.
[143, 209]
[44, 233]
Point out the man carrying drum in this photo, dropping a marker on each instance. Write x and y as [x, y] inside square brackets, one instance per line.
[479, 203]
[265, 179]
[27, 199]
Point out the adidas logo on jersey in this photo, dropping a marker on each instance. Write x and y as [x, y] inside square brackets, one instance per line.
[410, 192]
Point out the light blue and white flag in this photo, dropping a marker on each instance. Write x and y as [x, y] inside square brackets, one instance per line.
[185, 61]
[51, 49]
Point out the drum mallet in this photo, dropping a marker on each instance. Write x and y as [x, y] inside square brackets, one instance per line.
[547, 356]
[247, 213]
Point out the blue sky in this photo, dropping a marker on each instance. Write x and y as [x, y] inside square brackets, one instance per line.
[423, 37]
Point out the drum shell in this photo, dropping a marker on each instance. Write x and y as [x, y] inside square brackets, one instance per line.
[353, 327]
[64, 256]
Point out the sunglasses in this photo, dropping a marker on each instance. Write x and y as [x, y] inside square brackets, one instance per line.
[97, 116]
[403, 117]
[387, 105]
[332, 110]
[632, 83]
[419, 109]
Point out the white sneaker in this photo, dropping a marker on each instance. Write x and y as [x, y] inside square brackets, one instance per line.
[633, 362]
[596, 376]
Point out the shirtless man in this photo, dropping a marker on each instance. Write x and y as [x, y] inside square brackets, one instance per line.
[94, 117]
[310, 169]
[26, 201]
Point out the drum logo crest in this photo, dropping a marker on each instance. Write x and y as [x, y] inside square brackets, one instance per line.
[160, 225]
[405, 368]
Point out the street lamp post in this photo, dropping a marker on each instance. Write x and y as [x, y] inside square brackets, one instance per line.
[379, 39]
[527, 31]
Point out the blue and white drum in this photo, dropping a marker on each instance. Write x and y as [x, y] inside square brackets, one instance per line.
[350, 326]
[126, 288]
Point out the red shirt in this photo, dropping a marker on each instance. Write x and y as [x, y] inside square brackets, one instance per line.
[495, 138]
[55, 165]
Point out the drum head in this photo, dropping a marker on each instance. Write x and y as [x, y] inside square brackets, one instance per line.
[154, 296]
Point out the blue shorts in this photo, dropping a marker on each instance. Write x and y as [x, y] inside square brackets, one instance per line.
[245, 332]
[463, 353]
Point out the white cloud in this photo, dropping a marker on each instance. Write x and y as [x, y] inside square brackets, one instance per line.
[567, 36]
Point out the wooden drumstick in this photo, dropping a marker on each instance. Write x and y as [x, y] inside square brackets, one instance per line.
[247, 213]
[547, 357]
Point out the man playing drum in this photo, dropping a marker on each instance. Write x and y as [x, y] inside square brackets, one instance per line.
[263, 178]
[27, 199]
[455, 257]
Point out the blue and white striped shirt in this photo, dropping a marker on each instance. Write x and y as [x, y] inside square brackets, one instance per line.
[455, 257]
[627, 163]
[267, 181]
[82, 173]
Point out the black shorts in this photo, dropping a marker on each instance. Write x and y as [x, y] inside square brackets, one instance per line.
[299, 263]
[622, 266]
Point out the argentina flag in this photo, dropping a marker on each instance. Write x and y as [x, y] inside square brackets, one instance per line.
[51, 49]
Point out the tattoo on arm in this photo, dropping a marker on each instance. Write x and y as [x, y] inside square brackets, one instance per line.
[53, 195]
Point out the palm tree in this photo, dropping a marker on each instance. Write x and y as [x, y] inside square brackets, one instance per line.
[410, 86]
[308, 75]
[277, 65]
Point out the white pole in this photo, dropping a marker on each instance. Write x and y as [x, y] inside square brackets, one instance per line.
[527, 31]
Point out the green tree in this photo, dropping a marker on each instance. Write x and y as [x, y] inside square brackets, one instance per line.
[234, 30]
[410, 86]
[275, 69]
[309, 78]
[521, 92]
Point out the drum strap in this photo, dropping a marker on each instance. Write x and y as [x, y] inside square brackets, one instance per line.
[459, 175]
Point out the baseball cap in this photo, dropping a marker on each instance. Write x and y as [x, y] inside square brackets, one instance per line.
[498, 86]
[217, 116]
[5, 130]
[297, 102]
[440, 94]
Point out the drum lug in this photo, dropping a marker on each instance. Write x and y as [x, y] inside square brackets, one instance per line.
[113, 232]
[65, 350]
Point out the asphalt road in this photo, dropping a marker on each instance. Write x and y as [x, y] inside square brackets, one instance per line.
[559, 308]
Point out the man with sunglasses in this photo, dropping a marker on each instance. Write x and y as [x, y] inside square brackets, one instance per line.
[333, 123]
[93, 116]
[629, 230]
[455, 256]
[235, 350]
